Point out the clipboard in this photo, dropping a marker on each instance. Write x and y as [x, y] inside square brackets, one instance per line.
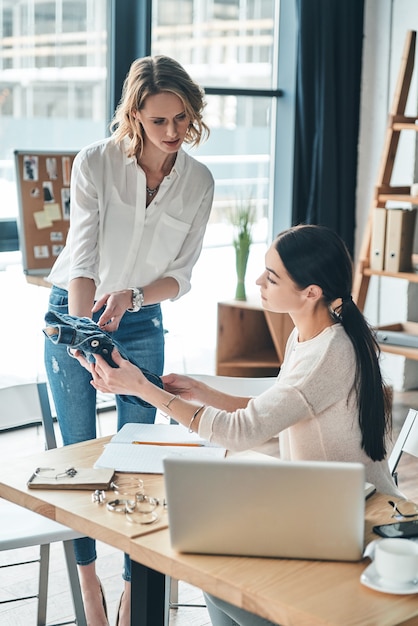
[65, 478]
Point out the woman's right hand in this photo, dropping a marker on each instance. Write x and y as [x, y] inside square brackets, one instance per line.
[116, 304]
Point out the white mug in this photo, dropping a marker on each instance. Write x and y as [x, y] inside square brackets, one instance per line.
[396, 561]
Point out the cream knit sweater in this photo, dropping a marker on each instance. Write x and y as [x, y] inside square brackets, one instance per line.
[310, 412]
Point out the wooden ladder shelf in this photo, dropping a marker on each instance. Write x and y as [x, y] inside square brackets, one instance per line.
[384, 192]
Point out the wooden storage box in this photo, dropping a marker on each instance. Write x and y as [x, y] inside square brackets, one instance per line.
[250, 341]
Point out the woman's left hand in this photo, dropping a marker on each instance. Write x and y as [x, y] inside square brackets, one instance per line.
[116, 304]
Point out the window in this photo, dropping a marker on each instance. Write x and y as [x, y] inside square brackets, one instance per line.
[229, 43]
[228, 47]
[53, 73]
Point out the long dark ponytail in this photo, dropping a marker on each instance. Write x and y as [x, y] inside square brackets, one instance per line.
[317, 255]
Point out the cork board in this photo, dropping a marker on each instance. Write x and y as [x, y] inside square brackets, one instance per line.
[43, 183]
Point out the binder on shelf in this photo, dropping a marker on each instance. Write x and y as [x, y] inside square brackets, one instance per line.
[400, 227]
[377, 248]
[403, 334]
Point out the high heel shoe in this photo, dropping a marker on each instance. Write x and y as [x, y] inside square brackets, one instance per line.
[103, 597]
[120, 604]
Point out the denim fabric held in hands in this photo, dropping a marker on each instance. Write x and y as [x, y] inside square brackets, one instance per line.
[81, 333]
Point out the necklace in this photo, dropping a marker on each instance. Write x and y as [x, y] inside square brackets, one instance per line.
[166, 170]
[313, 336]
[151, 192]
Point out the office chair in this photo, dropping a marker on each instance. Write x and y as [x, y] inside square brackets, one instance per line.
[237, 386]
[407, 441]
[22, 528]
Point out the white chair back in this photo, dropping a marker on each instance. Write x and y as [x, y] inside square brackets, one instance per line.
[407, 440]
[22, 528]
[20, 405]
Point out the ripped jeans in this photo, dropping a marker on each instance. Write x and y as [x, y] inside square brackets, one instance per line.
[141, 335]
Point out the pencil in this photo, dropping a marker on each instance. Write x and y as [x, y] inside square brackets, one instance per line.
[164, 443]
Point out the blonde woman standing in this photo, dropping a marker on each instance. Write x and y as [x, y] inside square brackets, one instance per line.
[139, 209]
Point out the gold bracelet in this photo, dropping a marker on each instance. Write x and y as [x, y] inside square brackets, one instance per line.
[170, 401]
[195, 414]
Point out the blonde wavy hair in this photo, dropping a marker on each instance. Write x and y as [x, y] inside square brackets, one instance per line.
[149, 76]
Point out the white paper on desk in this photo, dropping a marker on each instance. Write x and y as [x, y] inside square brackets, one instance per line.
[162, 433]
[145, 459]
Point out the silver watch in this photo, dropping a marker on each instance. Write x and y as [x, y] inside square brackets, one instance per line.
[137, 299]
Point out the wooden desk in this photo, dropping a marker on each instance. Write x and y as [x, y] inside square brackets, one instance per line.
[75, 508]
[306, 593]
[289, 592]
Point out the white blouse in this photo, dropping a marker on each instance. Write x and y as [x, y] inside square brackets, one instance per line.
[115, 239]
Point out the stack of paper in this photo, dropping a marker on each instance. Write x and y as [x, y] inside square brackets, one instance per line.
[142, 447]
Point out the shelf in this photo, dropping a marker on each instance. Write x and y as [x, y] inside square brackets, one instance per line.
[396, 197]
[403, 122]
[384, 193]
[408, 353]
[262, 359]
[398, 126]
[411, 277]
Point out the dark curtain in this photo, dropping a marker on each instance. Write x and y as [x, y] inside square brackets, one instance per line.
[327, 114]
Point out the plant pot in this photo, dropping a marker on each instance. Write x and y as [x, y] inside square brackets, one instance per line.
[241, 258]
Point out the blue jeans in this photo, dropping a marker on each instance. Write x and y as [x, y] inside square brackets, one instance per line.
[223, 613]
[141, 335]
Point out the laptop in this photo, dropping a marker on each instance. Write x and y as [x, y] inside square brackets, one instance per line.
[301, 510]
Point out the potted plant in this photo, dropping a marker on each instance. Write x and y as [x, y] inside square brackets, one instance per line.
[242, 218]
